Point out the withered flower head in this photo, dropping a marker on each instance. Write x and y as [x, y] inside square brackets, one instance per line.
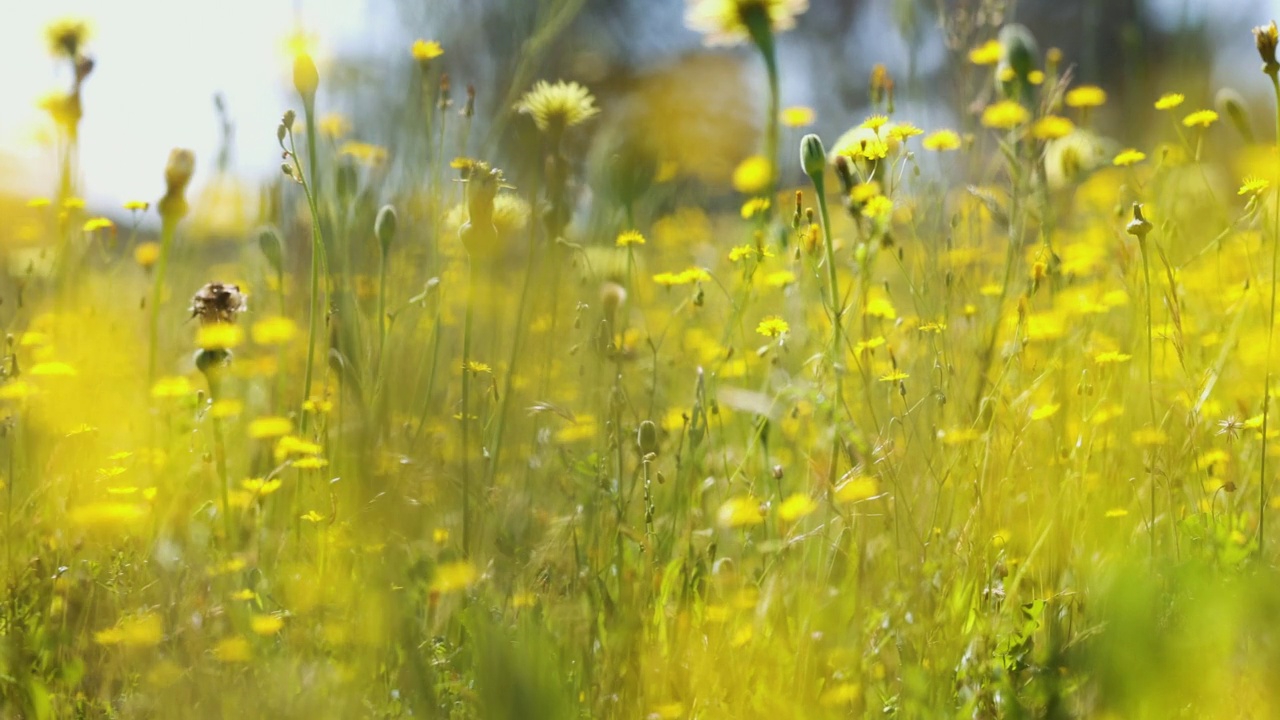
[218, 302]
[1266, 37]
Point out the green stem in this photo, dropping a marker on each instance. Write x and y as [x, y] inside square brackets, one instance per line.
[1266, 396]
[833, 291]
[157, 294]
[1151, 387]
[466, 410]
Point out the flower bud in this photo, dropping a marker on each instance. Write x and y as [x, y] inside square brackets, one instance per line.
[647, 437]
[1139, 227]
[305, 77]
[179, 169]
[384, 226]
[813, 156]
[1265, 38]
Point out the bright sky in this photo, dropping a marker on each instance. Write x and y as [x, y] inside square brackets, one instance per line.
[159, 63]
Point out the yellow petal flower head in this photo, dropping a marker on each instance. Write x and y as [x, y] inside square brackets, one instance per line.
[1086, 96]
[798, 117]
[773, 326]
[426, 50]
[558, 105]
[1052, 127]
[1200, 118]
[1129, 157]
[1169, 101]
[728, 22]
[67, 36]
[987, 53]
[1254, 186]
[942, 141]
[1004, 115]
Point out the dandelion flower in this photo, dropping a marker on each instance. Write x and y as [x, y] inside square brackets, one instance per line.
[798, 117]
[753, 175]
[558, 105]
[67, 36]
[629, 238]
[1004, 115]
[856, 489]
[1086, 96]
[740, 512]
[941, 141]
[1254, 186]
[773, 326]
[729, 22]
[988, 53]
[1200, 118]
[1052, 127]
[146, 254]
[755, 207]
[1169, 101]
[270, 427]
[796, 507]
[1129, 157]
[426, 50]
[98, 223]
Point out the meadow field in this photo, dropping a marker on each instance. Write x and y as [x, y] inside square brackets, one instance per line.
[498, 417]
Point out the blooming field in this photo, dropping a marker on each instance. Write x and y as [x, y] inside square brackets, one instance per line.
[911, 421]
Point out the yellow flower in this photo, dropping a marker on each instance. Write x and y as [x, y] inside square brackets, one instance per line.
[98, 223]
[333, 125]
[454, 576]
[1169, 101]
[52, 369]
[426, 50]
[137, 206]
[1201, 118]
[875, 122]
[779, 278]
[1004, 115]
[266, 625]
[773, 326]
[856, 489]
[39, 202]
[754, 207]
[146, 254]
[233, 650]
[796, 507]
[172, 387]
[143, 631]
[942, 141]
[895, 376]
[753, 175]
[219, 336]
[743, 252]
[558, 105]
[270, 427]
[1129, 157]
[1254, 186]
[365, 154]
[726, 22]
[1086, 96]
[739, 512]
[1052, 127]
[877, 208]
[629, 238]
[797, 117]
[902, 131]
[685, 277]
[274, 331]
[988, 53]
[66, 37]
[1111, 357]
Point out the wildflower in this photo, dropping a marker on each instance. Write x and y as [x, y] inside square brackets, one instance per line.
[266, 625]
[779, 278]
[1128, 157]
[856, 489]
[755, 207]
[902, 131]
[1169, 101]
[1051, 127]
[219, 336]
[233, 650]
[218, 302]
[146, 254]
[334, 126]
[1254, 186]
[476, 367]
[67, 36]
[1201, 118]
[941, 141]
[274, 331]
[39, 202]
[177, 174]
[742, 252]
[798, 117]
[875, 122]
[558, 106]
[366, 154]
[306, 79]
[1004, 115]
[740, 511]
[172, 387]
[142, 631]
[796, 507]
[1265, 38]
[1086, 96]
[895, 376]
[98, 223]
[424, 51]
[136, 205]
[728, 22]
[877, 208]
[454, 576]
[629, 238]
[753, 175]
[773, 326]
[270, 427]
[1139, 227]
[988, 53]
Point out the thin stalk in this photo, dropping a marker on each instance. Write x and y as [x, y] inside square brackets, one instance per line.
[1151, 386]
[1271, 325]
[833, 291]
[466, 410]
[317, 257]
[157, 294]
